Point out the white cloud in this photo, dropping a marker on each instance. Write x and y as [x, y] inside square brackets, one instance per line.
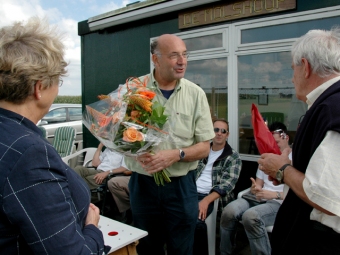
[22, 10]
[16, 10]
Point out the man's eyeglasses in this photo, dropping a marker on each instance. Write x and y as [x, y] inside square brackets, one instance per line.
[60, 82]
[223, 131]
[176, 55]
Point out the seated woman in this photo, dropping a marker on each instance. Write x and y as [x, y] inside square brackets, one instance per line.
[255, 215]
[45, 205]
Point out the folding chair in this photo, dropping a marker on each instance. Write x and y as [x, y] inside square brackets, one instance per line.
[63, 142]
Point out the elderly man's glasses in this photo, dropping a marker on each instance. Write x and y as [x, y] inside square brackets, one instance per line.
[223, 131]
[176, 55]
[60, 82]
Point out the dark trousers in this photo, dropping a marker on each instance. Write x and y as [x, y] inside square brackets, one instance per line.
[323, 240]
[313, 238]
[168, 213]
[201, 236]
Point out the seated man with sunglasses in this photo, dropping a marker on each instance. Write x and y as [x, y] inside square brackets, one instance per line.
[257, 209]
[216, 177]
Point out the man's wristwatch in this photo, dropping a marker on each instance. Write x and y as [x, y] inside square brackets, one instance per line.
[181, 155]
[279, 173]
[278, 195]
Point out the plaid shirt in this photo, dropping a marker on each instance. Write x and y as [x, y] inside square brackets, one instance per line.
[225, 173]
[43, 203]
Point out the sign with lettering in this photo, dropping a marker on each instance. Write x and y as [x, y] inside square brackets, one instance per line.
[230, 11]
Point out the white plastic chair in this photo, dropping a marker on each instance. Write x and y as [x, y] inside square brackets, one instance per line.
[89, 152]
[211, 228]
[240, 194]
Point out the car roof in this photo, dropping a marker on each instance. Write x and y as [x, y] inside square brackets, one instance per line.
[54, 106]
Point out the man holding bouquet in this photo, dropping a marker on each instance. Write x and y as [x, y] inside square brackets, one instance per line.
[169, 213]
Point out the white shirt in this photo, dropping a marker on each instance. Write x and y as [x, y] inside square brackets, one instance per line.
[321, 183]
[268, 185]
[204, 182]
[110, 160]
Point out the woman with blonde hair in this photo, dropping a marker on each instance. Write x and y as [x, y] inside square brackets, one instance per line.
[45, 206]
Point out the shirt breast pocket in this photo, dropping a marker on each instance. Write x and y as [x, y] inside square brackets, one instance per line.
[182, 125]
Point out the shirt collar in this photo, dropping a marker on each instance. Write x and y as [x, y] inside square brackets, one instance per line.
[313, 95]
[155, 83]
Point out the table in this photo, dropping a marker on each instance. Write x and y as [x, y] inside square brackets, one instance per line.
[121, 237]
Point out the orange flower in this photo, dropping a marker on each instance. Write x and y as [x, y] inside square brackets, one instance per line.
[115, 117]
[101, 118]
[132, 135]
[142, 102]
[104, 121]
[149, 94]
[103, 97]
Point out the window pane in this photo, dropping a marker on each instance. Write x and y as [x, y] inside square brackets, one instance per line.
[56, 116]
[265, 80]
[204, 42]
[75, 113]
[211, 75]
[286, 31]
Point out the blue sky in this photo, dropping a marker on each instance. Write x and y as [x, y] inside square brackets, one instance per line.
[66, 14]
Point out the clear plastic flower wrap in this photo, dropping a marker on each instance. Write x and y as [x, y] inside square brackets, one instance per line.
[127, 121]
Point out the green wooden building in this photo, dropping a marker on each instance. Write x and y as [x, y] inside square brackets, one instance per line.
[239, 55]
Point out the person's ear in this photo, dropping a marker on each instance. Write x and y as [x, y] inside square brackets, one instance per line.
[154, 59]
[307, 67]
[38, 87]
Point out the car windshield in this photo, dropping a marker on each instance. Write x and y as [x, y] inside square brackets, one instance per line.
[55, 116]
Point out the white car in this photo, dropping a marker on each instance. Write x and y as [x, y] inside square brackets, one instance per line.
[63, 115]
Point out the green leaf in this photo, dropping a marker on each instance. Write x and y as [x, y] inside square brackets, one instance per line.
[157, 115]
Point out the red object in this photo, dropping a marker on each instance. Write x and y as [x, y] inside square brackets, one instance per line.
[264, 139]
[113, 233]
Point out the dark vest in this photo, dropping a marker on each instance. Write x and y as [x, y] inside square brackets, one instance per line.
[292, 225]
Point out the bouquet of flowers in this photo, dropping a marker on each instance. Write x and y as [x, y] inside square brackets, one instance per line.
[127, 121]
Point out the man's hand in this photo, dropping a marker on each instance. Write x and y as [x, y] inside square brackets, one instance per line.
[99, 178]
[270, 163]
[127, 172]
[254, 187]
[153, 163]
[202, 209]
[265, 194]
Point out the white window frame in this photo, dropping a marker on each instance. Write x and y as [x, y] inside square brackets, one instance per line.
[232, 48]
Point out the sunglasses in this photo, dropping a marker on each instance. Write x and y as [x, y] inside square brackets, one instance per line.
[223, 131]
[280, 132]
